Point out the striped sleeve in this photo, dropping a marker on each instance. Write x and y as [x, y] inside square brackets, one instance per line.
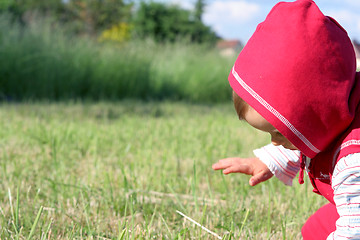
[346, 186]
[283, 163]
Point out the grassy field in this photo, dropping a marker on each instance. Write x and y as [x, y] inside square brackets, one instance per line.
[122, 170]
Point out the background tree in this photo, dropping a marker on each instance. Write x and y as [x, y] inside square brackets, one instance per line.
[92, 16]
[170, 23]
[19, 8]
[199, 9]
[83, 16]
[116, 18]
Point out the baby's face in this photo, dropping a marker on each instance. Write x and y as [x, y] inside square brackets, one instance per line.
[258, 122]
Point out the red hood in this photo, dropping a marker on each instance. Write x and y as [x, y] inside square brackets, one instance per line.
[298, 71]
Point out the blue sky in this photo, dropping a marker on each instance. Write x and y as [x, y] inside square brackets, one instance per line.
[237, 19]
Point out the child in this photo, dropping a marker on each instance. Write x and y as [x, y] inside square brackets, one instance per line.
[296, 79]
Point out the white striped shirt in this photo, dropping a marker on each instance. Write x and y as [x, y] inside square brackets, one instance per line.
[285, 164]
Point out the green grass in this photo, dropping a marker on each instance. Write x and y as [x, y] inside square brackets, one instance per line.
[42, 60]
[122, 170]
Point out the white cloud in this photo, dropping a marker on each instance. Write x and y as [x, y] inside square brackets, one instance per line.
[345, 17]
[342, 16]
[354, 3]
[230, 11]
[230, 18]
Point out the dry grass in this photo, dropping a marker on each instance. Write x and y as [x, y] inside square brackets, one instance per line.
[121, 170]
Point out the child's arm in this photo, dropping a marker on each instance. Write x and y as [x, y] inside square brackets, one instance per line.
[271, 160]
[346, 185]
[282, 162]
[250, 166]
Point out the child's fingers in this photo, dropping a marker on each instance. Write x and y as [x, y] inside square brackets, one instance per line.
[217, 166]
[260, 177]
[233, 165]
[249, 166]
[255, 180]
[222, 164]
[239, 168]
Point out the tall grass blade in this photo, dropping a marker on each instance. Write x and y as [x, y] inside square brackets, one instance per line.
[122, 234]
[86, 212]
[11, 205]
[193, 186]
[244, 221]
[166, 225]
[47, 231]
[17, 209]
[269, 216]
[152, 217]
[13, 222]
[35, 223]
[283, 227]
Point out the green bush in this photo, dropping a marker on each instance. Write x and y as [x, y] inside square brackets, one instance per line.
[42, 61]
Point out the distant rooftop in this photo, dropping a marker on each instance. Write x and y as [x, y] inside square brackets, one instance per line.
[228, 44]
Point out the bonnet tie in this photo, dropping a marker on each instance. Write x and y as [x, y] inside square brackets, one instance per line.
[302, 167]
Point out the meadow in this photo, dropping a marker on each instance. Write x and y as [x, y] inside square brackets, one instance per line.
[122, 170]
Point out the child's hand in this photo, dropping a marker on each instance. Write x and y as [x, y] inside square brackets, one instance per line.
[250, 166]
